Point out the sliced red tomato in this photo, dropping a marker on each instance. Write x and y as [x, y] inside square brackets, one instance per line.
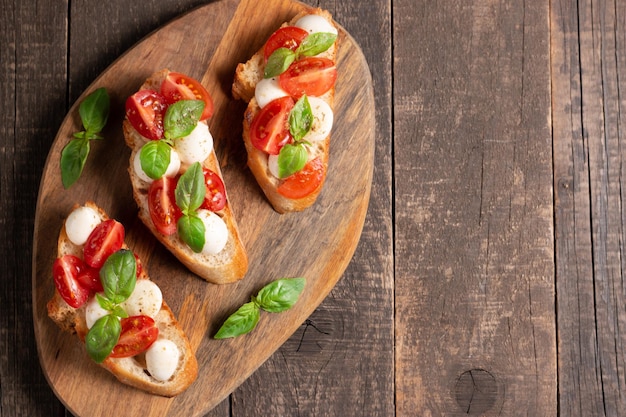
[303, 182]
[269, 130]
[65, 270]
[311, 76]
[162, 205]
[89, 278]
[145, 111]
[106, 239]
[215, 198]
[138, 334]
[177, 86]
[289, 37]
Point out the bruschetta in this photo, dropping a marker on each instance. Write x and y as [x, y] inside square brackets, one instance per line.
[104, 295]
[176, 179]
[289, 85]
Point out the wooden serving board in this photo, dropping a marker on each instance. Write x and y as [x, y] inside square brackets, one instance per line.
[317, 244]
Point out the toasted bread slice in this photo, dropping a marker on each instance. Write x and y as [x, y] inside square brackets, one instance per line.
[131, 370]
[231, 263]
[247, 76]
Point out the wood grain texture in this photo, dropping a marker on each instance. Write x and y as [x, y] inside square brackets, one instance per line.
[32, 57]
[589, 58]
[328, 233]
[475, 329]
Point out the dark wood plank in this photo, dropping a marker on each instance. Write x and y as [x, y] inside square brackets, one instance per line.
[588, 45]
[475, 325]
[32, 104]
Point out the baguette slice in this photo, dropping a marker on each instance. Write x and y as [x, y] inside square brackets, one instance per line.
[131, 371]
[247, 75]
[229, 265]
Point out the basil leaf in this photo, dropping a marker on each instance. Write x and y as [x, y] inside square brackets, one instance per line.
[240, 322]
[118, 311]
[278, 62]
[280, 295]
[102, 337]
[118, 275]
[300, 118]
[94, 111]
[190, 190]
[181, 118]
[73, 158]
[105, 303]
[155, 158]
[316, 43]
[291, 159]
[191, 230]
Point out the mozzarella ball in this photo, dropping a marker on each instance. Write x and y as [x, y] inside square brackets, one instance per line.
[313, 23]
[162, 359]
[267, 90]
[215, 232]
[322, 120]
[145, 300]
[93, 312]
[197, 146]
[80, 223]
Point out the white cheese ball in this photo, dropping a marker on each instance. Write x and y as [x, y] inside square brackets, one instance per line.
[80, 223]
[93, 312]
[145, 300]
[322, 120]
[313, 23]
[172, 168]
[215, 232]
[272, 165]
[267, 90]
[162, 359]
[197, 146]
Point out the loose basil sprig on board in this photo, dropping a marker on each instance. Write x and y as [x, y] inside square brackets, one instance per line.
[275, 297]
[118, 276]
[179, 121]
[293, 156]
[312, 45]
[190, 192]
[94, 113]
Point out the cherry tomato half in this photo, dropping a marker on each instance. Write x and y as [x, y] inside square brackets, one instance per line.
[311, 76]
[162, 205]
[65, 270]
[215, 198]
[289, 37]
[106, 239]
[178, 86]
[269, 130]
[138, 333]
[145, 111]
[303, 182]
[89, 278]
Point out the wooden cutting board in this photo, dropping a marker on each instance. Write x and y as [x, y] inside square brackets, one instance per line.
[317, 244]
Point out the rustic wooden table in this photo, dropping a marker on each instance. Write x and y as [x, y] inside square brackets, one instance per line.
[489, 275]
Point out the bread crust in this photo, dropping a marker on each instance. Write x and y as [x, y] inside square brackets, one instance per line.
[247, 75]
[130, 371]
[231, 264]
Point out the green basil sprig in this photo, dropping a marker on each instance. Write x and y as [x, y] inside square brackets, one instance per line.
[275, 297]
[94, 113]
[293, 156]
[179, 121]
[118, 276]
[190, 192]
[282, 58]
